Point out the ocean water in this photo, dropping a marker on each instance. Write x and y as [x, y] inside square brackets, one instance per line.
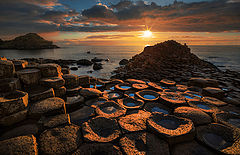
[225, 57]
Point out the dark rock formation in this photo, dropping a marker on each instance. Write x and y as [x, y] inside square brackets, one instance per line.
[30, 41]
[168, 59]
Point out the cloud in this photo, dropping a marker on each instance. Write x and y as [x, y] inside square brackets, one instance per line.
[22, 16]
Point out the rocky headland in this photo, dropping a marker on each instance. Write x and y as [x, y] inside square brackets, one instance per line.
[146, 109]
[30, 41]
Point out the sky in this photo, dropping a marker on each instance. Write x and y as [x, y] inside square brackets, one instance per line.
[123, 22]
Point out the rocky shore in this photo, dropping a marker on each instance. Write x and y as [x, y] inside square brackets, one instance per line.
[163, 101]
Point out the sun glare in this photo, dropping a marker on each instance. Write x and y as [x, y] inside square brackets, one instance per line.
[147, 34]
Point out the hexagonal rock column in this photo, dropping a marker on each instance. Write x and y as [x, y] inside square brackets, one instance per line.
[143, 143]
[134, 122]
[50, 70]
[189, 148]
[65, 71]
[213, 92]
[148, 95]
[20, 64]
[220, 138]
[123, 87]
[70, 92]
[171, 128]
[110, 109]
[49, 106]
[173, 99]
[100, 129]
[155, 87]
[84, 81]
[13, 118]
[202, 83]
[98, 148]
[58, 120]
[29, 76]
[228, 119]
[13, 102]
[167, 83]
[214, 101]
[131, 103]
[82, 115]
[23, 130]
[90, 93]
[71, 80]
[74, 102]
[157, 107]
[60, 92]
[61, 140]
[140, 86]
[95, 102]
[135, 81]
[197, 116]
[9, 85]
[38, 93]
[207, 108]
[52, 82]
[19, 145]
[7, 69]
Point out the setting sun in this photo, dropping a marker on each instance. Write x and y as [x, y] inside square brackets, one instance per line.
[147, 34]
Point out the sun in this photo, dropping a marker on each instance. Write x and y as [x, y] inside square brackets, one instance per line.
[147, 34]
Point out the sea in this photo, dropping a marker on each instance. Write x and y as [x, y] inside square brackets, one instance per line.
[224, 57]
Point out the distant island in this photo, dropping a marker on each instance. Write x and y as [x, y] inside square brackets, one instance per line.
[30, 41]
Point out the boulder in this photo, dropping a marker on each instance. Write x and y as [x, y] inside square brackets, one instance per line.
[7, 69]
[84, 62]
[143, 143]
[29, 76]
[60, 140]
[9, 85]
[97, 66]
[50, 70]
[49, 106]
[23, 130]
[71, 80]
[52, 82]
[13, 102]
[13, 118]
[21, 145]
[197, 116]
[100, 129]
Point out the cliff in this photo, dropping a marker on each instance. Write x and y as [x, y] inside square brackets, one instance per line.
[29, 41]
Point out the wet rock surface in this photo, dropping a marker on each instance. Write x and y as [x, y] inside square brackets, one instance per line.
[179, 94]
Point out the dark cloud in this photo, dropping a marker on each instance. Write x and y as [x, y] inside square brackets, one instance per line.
[22, 16]
[98, 11]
